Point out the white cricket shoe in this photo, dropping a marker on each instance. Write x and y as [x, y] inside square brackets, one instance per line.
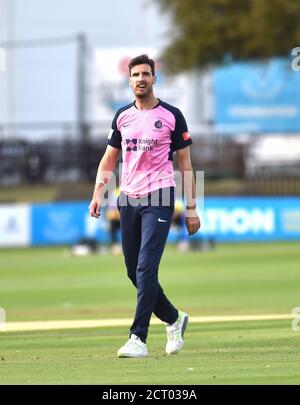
[133, 348]
[175, 333]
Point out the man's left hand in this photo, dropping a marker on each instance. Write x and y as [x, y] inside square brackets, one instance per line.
[192, 222]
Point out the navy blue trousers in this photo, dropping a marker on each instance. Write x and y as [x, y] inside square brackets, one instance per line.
[145, 224]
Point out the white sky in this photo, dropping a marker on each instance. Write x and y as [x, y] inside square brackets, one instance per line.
[41, 86]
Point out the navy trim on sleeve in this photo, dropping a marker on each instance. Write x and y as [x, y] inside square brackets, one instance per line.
[115, 137]
[180, 137]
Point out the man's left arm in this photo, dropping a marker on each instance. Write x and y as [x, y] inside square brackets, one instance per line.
[192, 219]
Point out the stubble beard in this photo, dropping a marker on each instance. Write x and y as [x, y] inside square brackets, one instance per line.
[145, 95]
[142, 96]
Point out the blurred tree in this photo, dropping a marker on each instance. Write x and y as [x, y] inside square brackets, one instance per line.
[216, 31]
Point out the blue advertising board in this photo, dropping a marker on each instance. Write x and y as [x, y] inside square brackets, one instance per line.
[257, 97]
[65, 223]
[232, 219]
[252, 218]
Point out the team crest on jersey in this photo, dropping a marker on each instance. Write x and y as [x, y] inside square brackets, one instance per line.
[158, 124]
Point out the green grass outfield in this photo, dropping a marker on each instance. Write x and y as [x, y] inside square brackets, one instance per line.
[50, 284]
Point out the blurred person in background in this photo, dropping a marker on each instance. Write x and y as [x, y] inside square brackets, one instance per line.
[148, 131]
[182, 242]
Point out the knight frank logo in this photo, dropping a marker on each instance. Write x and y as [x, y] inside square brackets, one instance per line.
[142, 144]
[131, 145]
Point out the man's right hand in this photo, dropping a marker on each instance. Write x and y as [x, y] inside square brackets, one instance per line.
[94, 208]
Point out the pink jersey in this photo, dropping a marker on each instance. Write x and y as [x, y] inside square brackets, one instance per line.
[148, 139]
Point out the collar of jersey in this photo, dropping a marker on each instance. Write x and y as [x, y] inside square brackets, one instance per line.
[150, 108]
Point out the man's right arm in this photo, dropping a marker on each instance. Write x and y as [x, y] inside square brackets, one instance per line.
[104, 174]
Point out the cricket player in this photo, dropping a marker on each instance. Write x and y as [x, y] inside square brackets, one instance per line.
[148, 131]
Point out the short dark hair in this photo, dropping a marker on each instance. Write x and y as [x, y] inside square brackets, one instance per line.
[139, 60]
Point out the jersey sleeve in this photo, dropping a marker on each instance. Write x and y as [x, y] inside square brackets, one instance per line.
[114, 136]
[180, 137]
